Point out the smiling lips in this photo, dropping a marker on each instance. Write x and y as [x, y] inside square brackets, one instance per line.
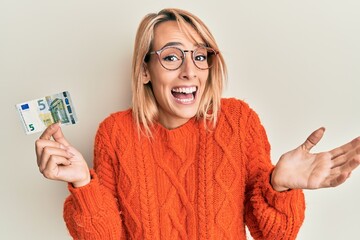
[184, 95]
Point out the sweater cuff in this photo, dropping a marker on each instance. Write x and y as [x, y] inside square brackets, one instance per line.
[281, 200]
[87, 199]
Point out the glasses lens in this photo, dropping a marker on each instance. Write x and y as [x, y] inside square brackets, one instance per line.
[203, 57]
[171, 58]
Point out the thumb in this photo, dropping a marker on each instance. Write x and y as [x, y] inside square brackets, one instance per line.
[313, 139]
[58, 136]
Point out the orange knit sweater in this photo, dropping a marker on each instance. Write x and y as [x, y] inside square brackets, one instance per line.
[185, 183]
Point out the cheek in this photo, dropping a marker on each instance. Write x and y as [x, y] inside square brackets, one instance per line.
[204, 78]
[160, 88]
[162, 80]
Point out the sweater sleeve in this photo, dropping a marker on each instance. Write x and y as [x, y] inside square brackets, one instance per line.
[268, 214]
[92, 211]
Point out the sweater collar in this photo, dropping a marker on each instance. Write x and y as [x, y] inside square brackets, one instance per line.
[183, 131]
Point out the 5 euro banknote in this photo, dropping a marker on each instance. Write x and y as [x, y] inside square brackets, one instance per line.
[36, 115]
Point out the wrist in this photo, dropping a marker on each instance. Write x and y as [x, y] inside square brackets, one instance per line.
[82, 182]
[275, 183]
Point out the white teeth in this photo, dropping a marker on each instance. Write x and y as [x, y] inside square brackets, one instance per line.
[185, 100]
[186, 90]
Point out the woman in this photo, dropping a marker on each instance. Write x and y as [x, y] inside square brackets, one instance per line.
[183, 163]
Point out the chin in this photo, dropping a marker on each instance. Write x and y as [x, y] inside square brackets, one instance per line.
[187, 114]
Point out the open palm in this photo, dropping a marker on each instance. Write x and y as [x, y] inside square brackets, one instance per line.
[300, 169]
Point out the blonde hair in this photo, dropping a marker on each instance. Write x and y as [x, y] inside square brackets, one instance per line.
[144, 105]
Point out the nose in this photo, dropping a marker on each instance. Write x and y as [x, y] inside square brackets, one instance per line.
[188, 68]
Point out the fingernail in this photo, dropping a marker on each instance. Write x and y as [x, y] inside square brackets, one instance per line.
[62, 146]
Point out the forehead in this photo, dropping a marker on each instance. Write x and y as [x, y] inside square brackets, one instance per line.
[169, 31]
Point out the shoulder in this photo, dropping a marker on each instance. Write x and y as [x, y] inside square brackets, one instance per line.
[125, 115]
[235, 107]
[112, 123]
[242, 118]
[238, 112]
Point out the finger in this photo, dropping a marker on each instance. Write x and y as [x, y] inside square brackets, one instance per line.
[50, 152]
[340, 160]
[40, 144]
[51, 171]
[49, 131]
[339, 180]
[313, 139]
[345, 148]
[345, 171]
[54, 130]
[73, 151]
[59, 137]
[345, 157]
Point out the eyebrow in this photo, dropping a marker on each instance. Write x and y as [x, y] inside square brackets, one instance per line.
[179, 43]
[172, 44]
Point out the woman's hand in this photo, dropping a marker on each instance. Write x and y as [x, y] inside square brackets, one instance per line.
[58, 160]
[300, 169]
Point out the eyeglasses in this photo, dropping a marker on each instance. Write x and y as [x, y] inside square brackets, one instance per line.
[171, 58]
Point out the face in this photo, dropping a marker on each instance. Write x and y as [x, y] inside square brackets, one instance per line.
[177, 92]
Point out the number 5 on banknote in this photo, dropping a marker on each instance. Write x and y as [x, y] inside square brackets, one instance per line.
[38, 114]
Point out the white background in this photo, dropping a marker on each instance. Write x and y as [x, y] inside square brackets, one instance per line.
[295, 62]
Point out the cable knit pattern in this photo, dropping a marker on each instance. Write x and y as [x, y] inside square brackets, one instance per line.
[191, 182]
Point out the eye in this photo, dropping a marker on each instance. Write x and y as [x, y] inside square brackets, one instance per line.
[171, 55]
[200, 58]
[171, 58]
[201, 55]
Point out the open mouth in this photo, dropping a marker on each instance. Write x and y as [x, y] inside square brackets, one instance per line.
[184, 94]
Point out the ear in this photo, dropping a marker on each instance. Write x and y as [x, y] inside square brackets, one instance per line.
[146, 74]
